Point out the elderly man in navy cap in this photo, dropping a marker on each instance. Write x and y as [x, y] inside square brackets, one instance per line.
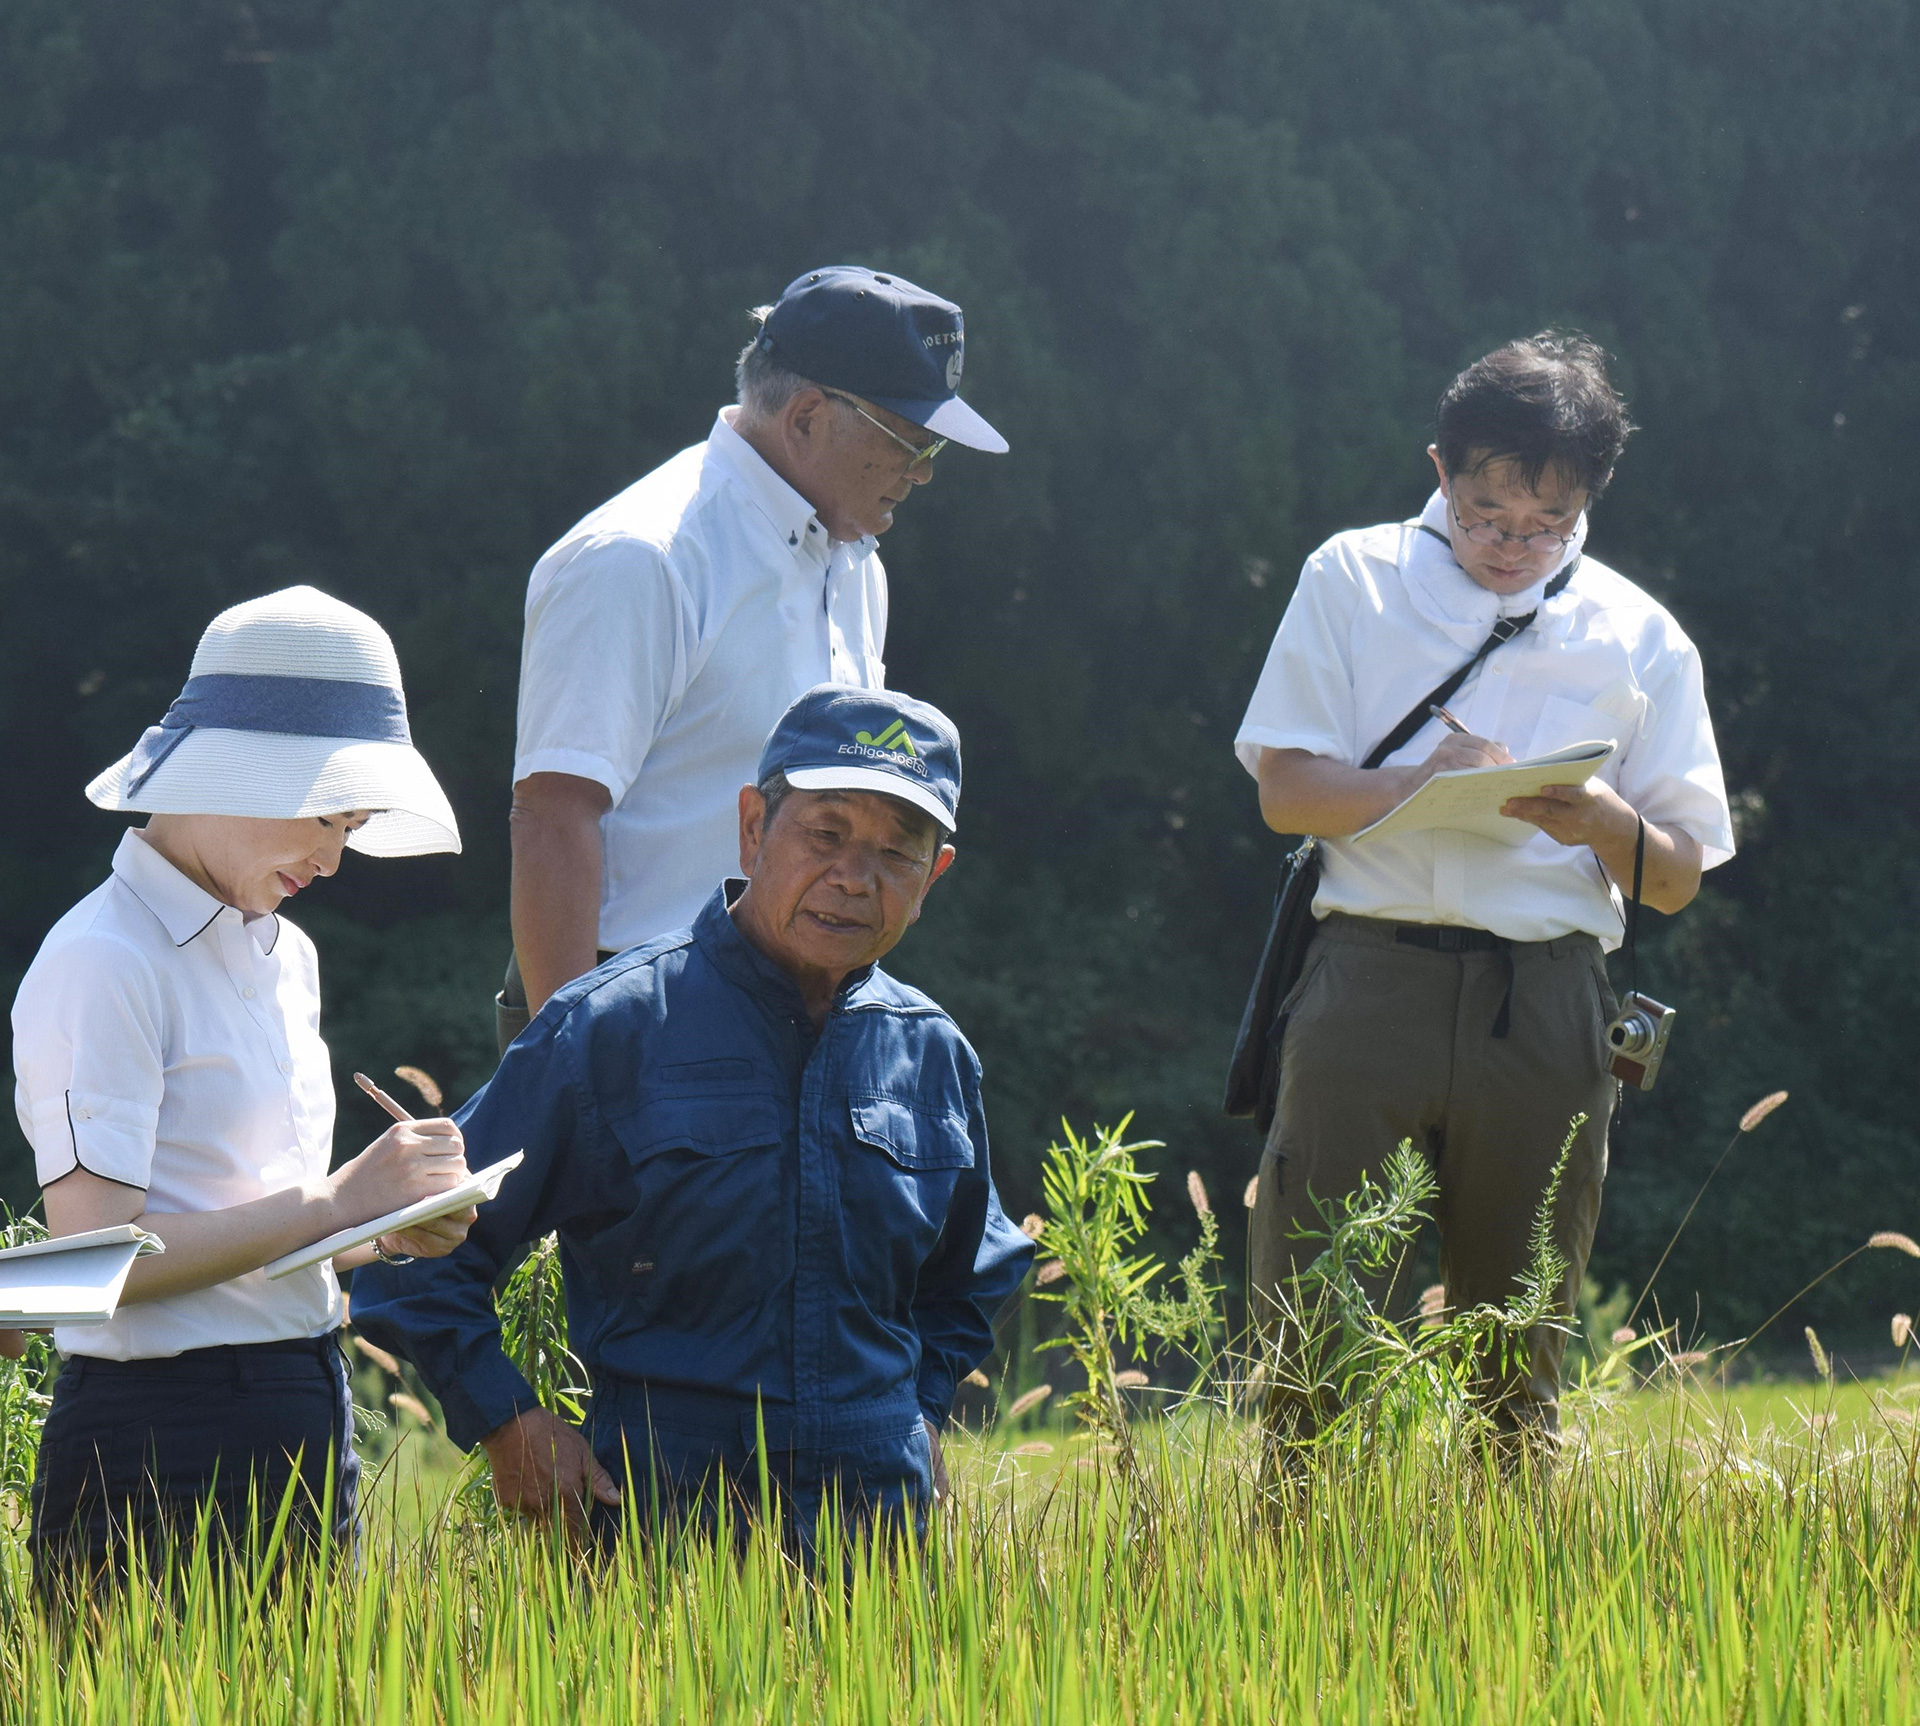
[668, 630]
[767, 1164]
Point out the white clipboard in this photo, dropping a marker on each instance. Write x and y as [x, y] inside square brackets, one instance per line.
[70, 1279]
[476, 1189]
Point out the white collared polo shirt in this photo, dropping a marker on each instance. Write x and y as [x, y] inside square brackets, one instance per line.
[1380, 616]
[164, 1040]
[665, 634]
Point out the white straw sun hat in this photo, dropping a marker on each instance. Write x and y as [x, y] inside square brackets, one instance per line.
[293, 707]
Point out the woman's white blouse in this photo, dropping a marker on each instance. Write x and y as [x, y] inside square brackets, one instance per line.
[164, 1040]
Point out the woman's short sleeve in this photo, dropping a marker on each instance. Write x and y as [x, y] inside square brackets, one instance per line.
[88, 1060]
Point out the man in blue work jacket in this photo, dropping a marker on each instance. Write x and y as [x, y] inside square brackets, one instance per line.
[766, 1161]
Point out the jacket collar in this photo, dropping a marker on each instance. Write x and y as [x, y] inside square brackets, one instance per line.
[184, 908]
[742, 963]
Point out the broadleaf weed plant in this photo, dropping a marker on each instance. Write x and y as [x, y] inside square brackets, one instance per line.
[532, 1306]
[1340, 1374]
[1096, 1214]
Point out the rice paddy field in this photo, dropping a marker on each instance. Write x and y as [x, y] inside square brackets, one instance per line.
[1698, 1556]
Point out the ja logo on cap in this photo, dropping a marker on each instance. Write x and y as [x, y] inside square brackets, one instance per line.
[893, 739]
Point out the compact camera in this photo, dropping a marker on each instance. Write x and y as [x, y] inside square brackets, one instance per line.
[1638, 1039]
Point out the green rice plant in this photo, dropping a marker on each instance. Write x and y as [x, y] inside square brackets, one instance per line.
[1700, 1576]
[24, 1394]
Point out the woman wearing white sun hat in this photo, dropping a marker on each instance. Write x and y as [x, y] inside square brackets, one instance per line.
[170, 1073]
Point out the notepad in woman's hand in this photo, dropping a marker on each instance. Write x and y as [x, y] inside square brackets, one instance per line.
[476, 1189]
[70, 1279]
[1468, 799]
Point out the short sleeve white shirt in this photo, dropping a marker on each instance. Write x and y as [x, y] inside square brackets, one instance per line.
[1380, 616]
[163, 1040]
[665, 635]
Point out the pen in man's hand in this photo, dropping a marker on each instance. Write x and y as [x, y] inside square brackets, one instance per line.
[1435, 709]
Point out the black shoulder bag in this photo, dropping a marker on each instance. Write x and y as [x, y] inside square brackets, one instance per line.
[1253, 1079]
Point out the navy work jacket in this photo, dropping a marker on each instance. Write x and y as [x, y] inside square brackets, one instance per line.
[745, 1208]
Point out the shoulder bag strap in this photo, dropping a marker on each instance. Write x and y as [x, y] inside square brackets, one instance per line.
[1441, 693]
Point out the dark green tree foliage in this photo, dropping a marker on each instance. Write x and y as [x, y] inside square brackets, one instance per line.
[381, 294]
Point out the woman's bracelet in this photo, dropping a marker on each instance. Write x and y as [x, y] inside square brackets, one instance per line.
[386, 1258]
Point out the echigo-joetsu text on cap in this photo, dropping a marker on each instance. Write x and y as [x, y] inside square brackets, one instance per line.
[883, 339]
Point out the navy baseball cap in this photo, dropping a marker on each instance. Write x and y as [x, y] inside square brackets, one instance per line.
[838, 738]
[882, 338]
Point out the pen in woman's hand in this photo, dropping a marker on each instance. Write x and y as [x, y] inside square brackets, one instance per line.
[1434, 708]
[381, 1097]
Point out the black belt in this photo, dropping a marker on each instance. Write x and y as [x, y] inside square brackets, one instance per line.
[1448, 938]
[1452, 938]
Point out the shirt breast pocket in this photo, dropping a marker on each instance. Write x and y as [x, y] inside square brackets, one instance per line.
[906, 1161]
[1563, 723]
[710, 1237]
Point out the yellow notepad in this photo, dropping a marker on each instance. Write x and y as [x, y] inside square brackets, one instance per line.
[1468, 799]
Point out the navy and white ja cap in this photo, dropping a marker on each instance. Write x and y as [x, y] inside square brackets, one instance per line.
[881, 338]
[838, 738]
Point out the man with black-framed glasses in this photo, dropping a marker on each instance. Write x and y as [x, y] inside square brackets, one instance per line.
[668, 630]
[1455, 992]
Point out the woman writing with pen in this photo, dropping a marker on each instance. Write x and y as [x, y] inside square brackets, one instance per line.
[170, 1073]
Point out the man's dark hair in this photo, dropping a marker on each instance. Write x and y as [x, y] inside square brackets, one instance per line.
[776, 788]
[1544, 402]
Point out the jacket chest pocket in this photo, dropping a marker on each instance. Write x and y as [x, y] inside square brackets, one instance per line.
[711, 1231]
[900, 1177]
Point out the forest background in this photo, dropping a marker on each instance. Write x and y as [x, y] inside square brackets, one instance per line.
[383, 294]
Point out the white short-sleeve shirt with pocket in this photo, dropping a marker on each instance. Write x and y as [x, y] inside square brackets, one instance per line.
[1381, 615]
[163, 1040]
[665, 634]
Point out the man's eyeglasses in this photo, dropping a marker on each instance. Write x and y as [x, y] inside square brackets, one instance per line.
[1484, 533]
[919, 454]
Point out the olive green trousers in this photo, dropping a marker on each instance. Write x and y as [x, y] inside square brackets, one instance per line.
[1387, 1040]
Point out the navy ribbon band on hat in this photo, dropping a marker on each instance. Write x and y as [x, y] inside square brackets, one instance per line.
[292, 706]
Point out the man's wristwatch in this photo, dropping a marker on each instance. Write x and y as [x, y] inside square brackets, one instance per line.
[387, 1258]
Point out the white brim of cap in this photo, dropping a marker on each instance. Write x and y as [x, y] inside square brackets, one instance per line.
[954, 419]
[870, 779]
[272, 776]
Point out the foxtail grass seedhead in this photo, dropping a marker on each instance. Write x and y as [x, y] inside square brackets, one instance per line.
[1902, 1329]
[1032, 1225]
[1821, 1363]
[379, 1356]
[1624, 1335]
[979, 1380]
[1251, 1196]
[1197, 1193]
[1895, 1239]
[1132, 1379]
[422, 1083]
[1050, 1272]
[1761, 1110]
[1433, 1300]
[411, 1406]
[1033, 1447]
[1029, 1400]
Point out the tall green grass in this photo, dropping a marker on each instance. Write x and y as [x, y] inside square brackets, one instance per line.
[1675, 1578]
[1693, 1557]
